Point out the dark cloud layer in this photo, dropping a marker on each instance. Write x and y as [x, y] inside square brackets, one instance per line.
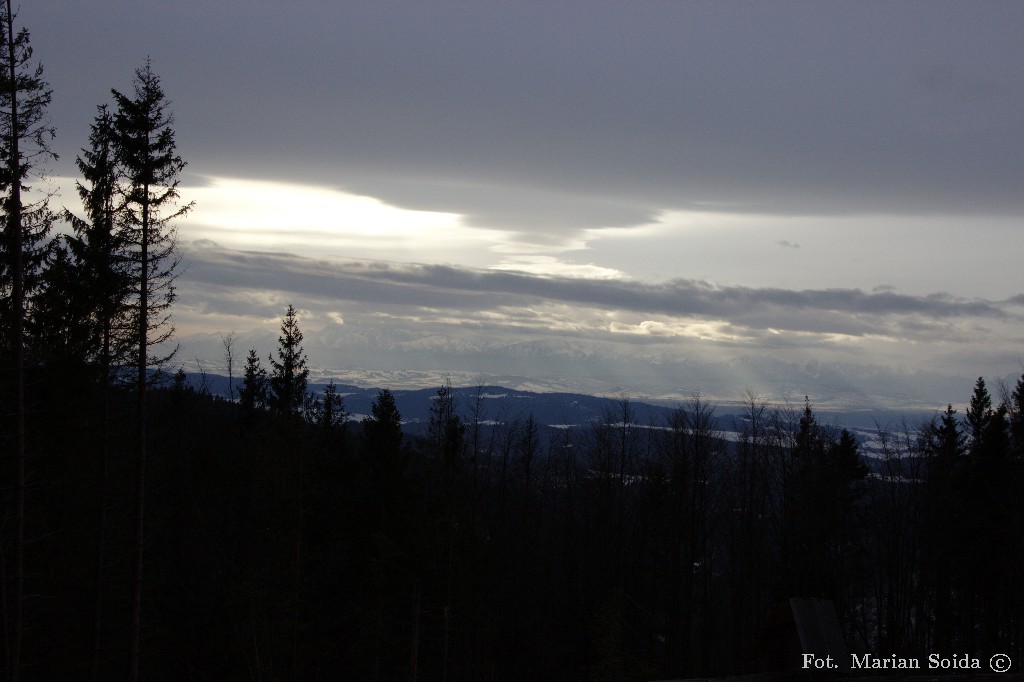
[547, 116]
[456, 290]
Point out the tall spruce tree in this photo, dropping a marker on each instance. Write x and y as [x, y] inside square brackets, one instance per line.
[146, 149]
[289, 374]
[25, 134]
[99, 296]
[24, 137]
[101, 246]
[288, 384]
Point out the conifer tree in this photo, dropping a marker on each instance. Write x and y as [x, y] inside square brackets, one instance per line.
[289, 374]
[806, 504]
[146, 149]
[25, 134]
[382, 429]
[382, 438]
[58, 327]
[843, 486]
[100, 245]
[446, 434]
[942, 531]
[945, 441]
[979, 415]
[330, 413]
[24, 137]
[446, 430]
[809, 446]
[228, 342]
[252, 397]
[288, 385]
[94, 298]
[846, 464]
[1016, 413]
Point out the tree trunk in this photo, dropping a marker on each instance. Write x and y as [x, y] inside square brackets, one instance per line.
[101, 534]
[18, 310]
[297, 600]
[140, 464]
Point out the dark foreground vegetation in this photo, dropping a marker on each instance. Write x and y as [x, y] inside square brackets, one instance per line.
[152, 531]
[284, 542]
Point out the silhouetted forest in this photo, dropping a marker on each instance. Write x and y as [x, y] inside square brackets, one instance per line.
[284, 542]
[150, 530]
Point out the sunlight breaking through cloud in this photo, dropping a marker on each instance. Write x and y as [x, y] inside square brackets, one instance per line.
[555, 267]
[312, 220]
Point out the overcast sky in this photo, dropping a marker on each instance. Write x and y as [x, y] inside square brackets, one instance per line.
[659, 197]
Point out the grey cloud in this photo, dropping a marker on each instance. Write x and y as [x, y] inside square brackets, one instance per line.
[457, 289]
[686, 297]
[616, 109]
[550, 215]
[506, 326]
[223, 299]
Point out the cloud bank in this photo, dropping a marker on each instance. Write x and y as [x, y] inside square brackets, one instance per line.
[432, 317]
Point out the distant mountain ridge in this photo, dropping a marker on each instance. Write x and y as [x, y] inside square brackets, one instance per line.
[497, 402]
[564, 409]
[651, 370]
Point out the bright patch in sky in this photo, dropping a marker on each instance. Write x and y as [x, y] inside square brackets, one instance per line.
[315, 221]
[323, 222]
[714, 330]
[552, 266]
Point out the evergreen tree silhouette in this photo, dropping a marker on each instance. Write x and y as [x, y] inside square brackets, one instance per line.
[289, 374]
[146, 149]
